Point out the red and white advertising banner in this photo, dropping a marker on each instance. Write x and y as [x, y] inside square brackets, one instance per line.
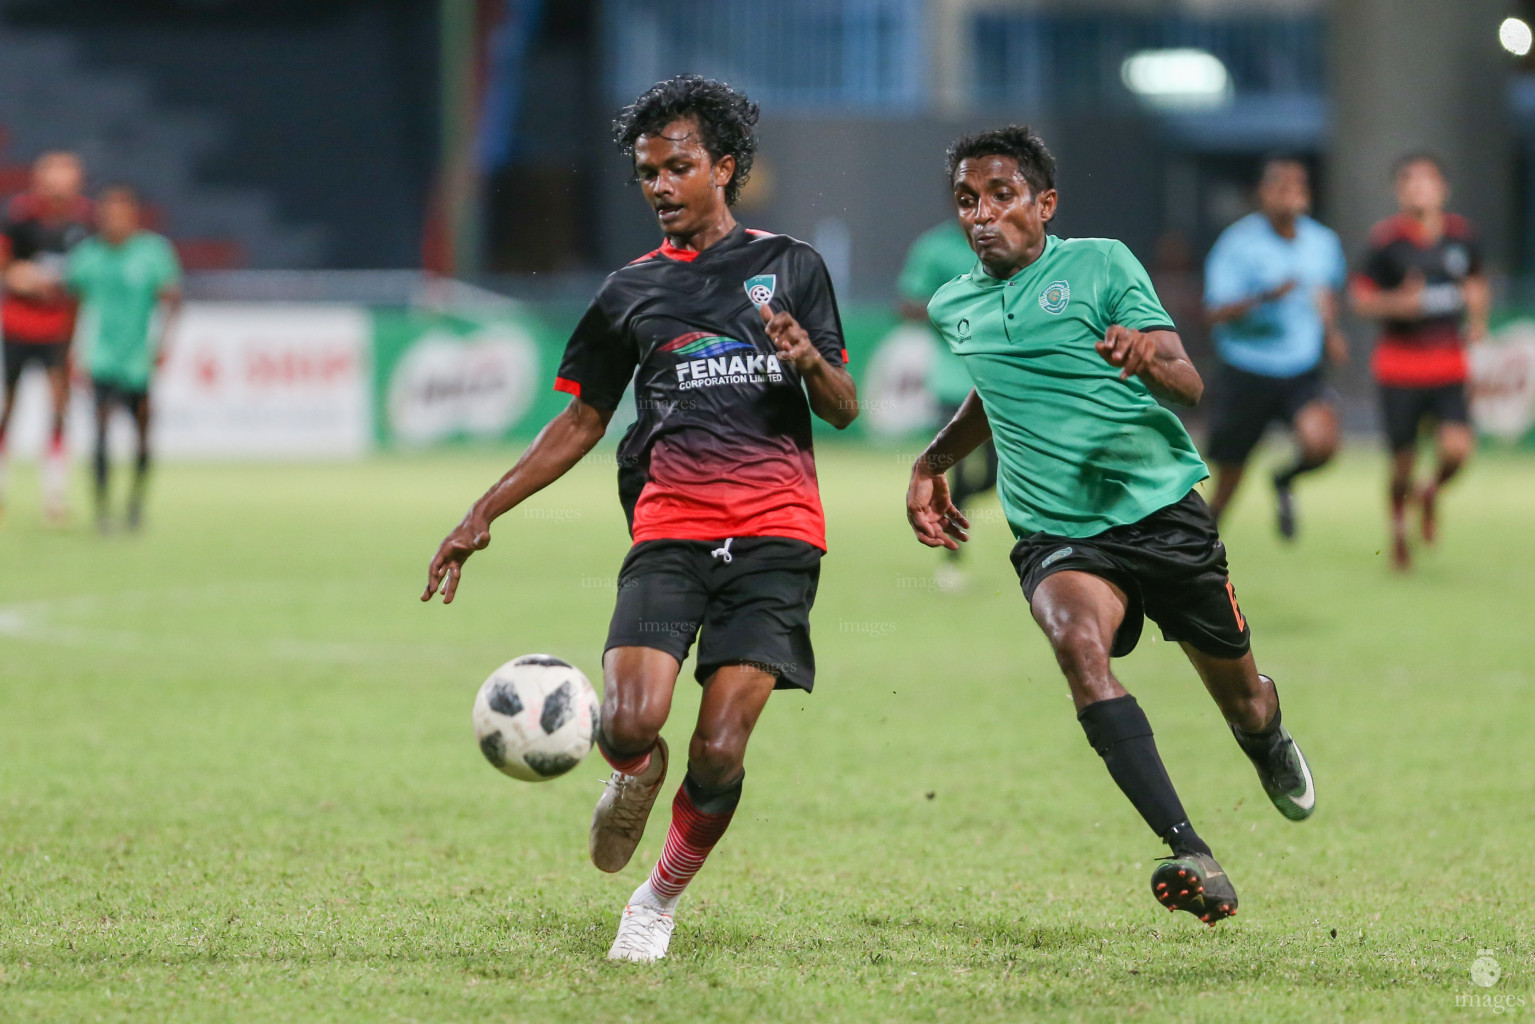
[1503, 382]
[243, 381]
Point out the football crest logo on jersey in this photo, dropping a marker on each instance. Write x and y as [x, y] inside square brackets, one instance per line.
[760, 288]
[1055, 297]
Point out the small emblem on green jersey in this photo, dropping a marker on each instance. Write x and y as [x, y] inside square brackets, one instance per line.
[1055, 297]
[760, 288]
[963, 328]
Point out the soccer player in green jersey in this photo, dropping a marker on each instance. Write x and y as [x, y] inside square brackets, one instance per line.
[1069, 349]
[123, 275]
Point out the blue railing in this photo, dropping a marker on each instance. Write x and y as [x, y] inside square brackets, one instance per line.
[856, 55]
[1050, 62]
[872, 55]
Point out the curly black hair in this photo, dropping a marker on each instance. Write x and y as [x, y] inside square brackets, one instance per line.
[726, 120]
[1017, 141]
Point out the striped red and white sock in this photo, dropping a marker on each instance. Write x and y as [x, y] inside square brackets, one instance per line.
[628, 764]
[693, 833]
[632, 765]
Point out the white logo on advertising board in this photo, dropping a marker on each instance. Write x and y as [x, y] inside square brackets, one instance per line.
[895, 397]
[448, 385]
[1503, 382]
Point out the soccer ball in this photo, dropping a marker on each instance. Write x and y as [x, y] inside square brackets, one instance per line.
[536, 717]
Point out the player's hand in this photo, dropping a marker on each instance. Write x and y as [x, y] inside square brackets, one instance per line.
[28, 280]
[1409, 294]
[1278, 291]
[793, 343]
[1127, 348]
[469, 536]
[931, 512]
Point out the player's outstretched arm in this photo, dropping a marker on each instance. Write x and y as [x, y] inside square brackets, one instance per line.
[1157, 358]
[1404, 302]
[559, 446]
[1242, 307]
[929, 507]
[833, 395]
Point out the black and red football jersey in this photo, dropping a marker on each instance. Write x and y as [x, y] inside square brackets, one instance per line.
[1428, 350]
[34, 232]
[722, 445]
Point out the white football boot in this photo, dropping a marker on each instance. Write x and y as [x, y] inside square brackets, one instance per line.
[618, 823]
[645, 930]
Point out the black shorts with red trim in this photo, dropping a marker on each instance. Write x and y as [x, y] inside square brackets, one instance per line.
[1171, 566]
[1405, 410]
[50, 355]
[750, 596]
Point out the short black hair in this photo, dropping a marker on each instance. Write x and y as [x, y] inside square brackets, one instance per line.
[1017, 141]
[120, 190]
[1281, 156]
[1417, 156]
[727, 121]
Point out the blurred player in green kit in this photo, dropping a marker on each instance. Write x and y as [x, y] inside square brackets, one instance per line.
[938, 256]
[123, 275]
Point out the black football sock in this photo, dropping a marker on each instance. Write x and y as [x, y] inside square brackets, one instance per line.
[1285, 477]
[1118, 730]
[99, 476]
[1258, 744]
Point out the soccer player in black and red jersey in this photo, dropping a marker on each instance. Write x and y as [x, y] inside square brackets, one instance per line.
[1422, 279]
[724, 332]
[37, 317]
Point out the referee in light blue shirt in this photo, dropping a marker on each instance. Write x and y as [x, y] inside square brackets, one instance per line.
[1271, 296]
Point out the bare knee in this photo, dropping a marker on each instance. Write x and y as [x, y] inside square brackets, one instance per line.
[1454, 447]
[630, 722]
[1318, 449]
[716, 757]
[1082, 651]
[1316, 433]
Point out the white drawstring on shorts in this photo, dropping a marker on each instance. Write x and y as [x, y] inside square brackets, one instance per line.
[723, 554]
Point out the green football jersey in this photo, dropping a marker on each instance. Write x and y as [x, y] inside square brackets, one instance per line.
[938, 256]
[1080, 451]
[119, 288]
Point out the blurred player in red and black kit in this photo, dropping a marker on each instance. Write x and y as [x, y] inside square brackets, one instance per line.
[1422, 279]
[37, 317]
[724, 332]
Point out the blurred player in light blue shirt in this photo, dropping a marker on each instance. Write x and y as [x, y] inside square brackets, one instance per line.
[1271, 296]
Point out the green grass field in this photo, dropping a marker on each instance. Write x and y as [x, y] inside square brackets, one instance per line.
[238, 782]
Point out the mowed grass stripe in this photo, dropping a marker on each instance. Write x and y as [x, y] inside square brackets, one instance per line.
[237, 779]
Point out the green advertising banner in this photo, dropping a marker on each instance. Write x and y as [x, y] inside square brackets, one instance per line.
[444, 378]
[441, 378]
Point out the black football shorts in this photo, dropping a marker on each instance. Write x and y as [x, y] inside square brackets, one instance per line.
[1244, 404]
[1171, 566]
[750, 596]
[18, 355]
[1405, 410]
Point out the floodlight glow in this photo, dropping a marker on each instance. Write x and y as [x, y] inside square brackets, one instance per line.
[1515, 36]
[1180, 77]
